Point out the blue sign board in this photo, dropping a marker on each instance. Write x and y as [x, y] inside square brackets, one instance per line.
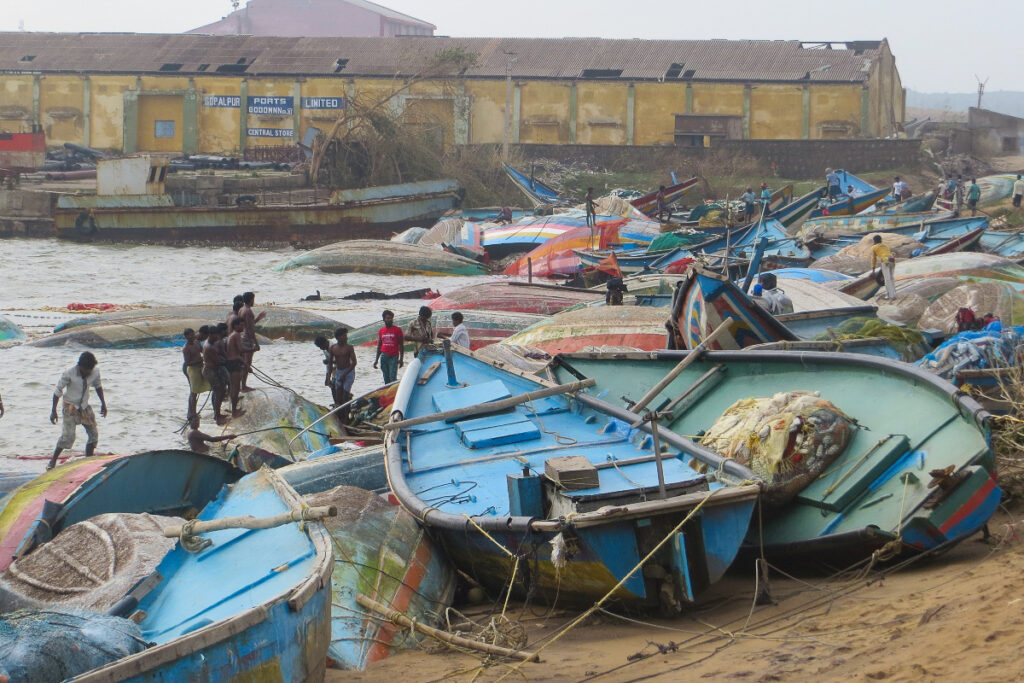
[231, 101]
[270, 132]
[323, 103]
[271, 106]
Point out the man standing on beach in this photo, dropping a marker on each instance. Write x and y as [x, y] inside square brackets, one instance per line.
[73, 386]
[214, 371]
[881, 254]
[390, 348]
[421, 330]
[342, 367]
[973, 195]
[235, 363]
[1018, 191]
[197, 384]
[249, 344]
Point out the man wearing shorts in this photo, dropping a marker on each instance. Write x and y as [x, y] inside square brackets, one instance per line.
[342, 367]
[73, 387]
[235, 362]
[214, 371]
[197, 384]
[249, 344]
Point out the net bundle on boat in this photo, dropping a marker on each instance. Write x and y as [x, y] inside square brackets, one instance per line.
[992, 348]
[910, 343]
[982, 298]
[787, 439]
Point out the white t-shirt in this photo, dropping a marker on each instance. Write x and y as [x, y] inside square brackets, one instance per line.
[75, 388]
[1018, 187]
[460, 336]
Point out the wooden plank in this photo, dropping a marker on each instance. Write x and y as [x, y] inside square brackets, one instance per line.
[428, 373]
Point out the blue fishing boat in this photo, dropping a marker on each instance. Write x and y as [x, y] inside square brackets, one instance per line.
[850, 206]
[938, 237]
[239, 602]
[10, 332]
[1007, 244]
[536, 191]
[539, 488]
[831, 226]
[922, 202]
[790, 213]
[779, 247]
[915, 473]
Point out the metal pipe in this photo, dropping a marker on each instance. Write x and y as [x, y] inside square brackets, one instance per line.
[449, 364]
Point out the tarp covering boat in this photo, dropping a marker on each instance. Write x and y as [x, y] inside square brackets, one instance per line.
[518, 297]
[383, 258]
[530, 232]
[638, 327]
[485, 327]
[557, 256]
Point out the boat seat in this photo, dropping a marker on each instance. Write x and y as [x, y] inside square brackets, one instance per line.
[852, 472]
[495, 430]
[464, 397]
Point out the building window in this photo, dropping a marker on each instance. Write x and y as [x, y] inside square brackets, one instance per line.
[163, 129]
[1011, 145]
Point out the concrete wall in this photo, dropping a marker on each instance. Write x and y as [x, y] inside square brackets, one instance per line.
[118, 111]
[796, 159]
[995, 134]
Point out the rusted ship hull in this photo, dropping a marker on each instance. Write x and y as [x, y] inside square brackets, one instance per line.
[374, 213]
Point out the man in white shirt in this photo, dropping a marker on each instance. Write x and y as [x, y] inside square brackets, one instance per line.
[460, 335]
[1018, 191]
[73, 387]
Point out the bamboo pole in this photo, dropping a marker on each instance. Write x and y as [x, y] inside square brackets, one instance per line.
[492, 406]
[250, 522]
[398, 618]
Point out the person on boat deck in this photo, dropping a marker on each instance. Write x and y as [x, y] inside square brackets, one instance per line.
[214, 371]
[663, 209]
[235, 363]
[766, 198]
[390, 348]
[832, 183]
[591, 208]
[882, 254]
[421, 330]
[73, 387]
[900, 189]
[749, 200]
[460, 335]
[342, 367]
[193, 359]
[615, 289]
[824, 203]
[778, 301]
[973, 195]
[505, 215]
[852, 192]
[1018, 191]
[249, 344]
[198, 442]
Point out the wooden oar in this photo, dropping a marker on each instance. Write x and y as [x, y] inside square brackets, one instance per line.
[250, 522]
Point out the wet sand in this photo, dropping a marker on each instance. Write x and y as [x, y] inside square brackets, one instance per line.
[948, 617]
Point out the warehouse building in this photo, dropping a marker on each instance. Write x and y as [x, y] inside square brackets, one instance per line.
[224, 94]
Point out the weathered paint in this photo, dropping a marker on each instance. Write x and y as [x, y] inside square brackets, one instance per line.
[60, 103]
[775, 111]
[542, 118]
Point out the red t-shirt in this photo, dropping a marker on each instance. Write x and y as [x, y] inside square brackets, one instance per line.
[391, 340]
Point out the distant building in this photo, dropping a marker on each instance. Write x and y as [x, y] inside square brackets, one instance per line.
[223, 94]
[994, 134]
[317, 18]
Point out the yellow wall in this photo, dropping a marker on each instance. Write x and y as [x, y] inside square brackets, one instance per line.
[106, 115]
[153, 108]
[217, 126]
[655, 109]
[16, 104]
[543, 112]
[834, 103]
[487, 111]
[718, 98]
[776, 112]
[60, 103]
[601, 113]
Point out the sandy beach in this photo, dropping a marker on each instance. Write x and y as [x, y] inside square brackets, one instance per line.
[954, 616]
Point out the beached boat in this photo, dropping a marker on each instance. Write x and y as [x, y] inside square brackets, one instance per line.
[1006, 244]
[485, 327]
[142, 212]
[558, 256]
[917, 474]
[452, 434]
[162, 482]
[638, 327]
[938, 237]
[10, 332]
[526, 234]
[250, 602]
[922, 202]
[630, 261]
[648, 203]
[537, 192]
[516, 297]
[792, 212]
[383, 257]
[850, 206]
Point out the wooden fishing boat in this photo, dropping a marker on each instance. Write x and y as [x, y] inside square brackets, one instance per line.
[637, 327]
[485, 327]
[938, 237]
[10, 332]
[922, 202]
[850, 206]
[383, 257]
[470, 466]
[558, 257]
[630, 261]
[536, 192]
[832, 226]
[792, 212]
[1006, 244]
[163, 482]
[648, 203]
[252, 602]
[515, 297]
[529, 232]
[917, 474]
[705, 300]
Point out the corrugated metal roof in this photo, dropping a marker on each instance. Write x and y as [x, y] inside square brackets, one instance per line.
[563, 58]
[307, 18]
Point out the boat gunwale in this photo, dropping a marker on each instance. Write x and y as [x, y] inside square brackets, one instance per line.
[296, 597]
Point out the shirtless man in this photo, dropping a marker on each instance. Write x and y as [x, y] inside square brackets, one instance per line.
[193, 356]
[213, 366]
[235, 362]
[342, 367]
[236, 306]
[249, 344]
[198, 442]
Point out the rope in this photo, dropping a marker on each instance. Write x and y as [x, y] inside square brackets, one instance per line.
[189, 541]
[597, 605]
[559, 439]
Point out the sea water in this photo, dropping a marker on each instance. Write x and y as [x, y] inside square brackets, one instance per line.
[145, 389]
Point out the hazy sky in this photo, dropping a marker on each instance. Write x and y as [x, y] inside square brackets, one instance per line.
[940, 46]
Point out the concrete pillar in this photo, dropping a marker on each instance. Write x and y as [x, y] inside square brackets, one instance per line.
[516, 106]
[130, 122]
[460, 123]
[689, 98]
[630, 113]
[806, 106]
[297, 110]
[865, 112]
[746, 112]
[36, 114]
[243, 115]
[190, 120]
[573, 113]
[86, 111]
[350, 93]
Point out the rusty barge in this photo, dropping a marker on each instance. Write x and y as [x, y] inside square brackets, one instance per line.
[132, 206]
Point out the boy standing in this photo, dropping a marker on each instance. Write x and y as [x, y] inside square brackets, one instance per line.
[342, 367]
[213, 362]
[235, 363]
[249, 344]
[193, 354]
[390, 348]
[73, 387]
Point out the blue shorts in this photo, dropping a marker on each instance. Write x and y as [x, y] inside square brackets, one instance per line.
[343, 379]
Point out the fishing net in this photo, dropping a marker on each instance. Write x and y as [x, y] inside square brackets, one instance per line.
[787, 440]
[56, 644]
[411, 236]
[901, 245]
[522, 357]
[91, 565]
[905, 309]
[679, 238]
[910, 343]
[983, 298]
[843, 263]
[994, 347]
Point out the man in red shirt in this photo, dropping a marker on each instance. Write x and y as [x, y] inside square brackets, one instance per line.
[390, 348]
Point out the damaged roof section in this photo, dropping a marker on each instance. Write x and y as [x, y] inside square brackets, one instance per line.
[554, 58]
